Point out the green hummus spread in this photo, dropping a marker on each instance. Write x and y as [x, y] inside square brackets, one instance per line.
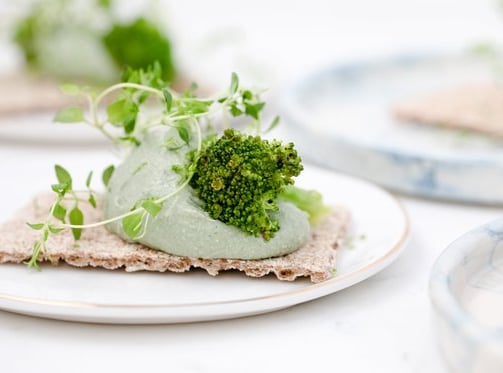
[183, 227]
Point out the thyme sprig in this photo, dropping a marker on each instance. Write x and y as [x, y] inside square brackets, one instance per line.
[125, 122]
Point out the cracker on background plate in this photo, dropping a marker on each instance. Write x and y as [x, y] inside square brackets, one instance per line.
[100, 248]
[468, 107]
[24, 93]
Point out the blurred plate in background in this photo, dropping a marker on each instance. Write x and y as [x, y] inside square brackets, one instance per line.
[341, 117]
[38, 129]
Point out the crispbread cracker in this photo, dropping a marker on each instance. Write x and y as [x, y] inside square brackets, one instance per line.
[469, 107]
[23, 93]
[100, 248]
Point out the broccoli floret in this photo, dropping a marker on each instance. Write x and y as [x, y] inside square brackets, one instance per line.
[239, 177]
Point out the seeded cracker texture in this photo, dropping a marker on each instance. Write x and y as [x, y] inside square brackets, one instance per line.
[100, 248]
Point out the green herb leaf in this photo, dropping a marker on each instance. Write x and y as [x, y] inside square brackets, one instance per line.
[253, 110]
[69, 115]
[59, 212]
[123, 113]
[130, 139]
[53, 229]
[60, 189]
[234, 83]
[198, 107]
[184, 134]
[63, 176]
[235, 111]
[70, 89]
[247, 95]
[168, 97]
[150, 76]
[89, 179]
[273, 124]
[36, 226]
[152, 207]
[76, 218]
[132, 224]
[130, 124]
[172, 144]
[92, 200]
[183, 129]
[178, 168]
[107, 174]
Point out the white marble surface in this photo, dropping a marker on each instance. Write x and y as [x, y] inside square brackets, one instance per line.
[380, 325]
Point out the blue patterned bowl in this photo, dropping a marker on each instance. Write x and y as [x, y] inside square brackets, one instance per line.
[466, 289]
[341, 117]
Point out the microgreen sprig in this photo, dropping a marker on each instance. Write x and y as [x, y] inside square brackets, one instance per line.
[123, 113]
[124, 124]
[62, 212]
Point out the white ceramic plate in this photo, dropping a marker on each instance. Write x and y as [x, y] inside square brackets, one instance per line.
[118, 297]
[341, 117]
[39, 129]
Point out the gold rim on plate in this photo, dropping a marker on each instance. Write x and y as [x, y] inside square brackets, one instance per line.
[395, 249]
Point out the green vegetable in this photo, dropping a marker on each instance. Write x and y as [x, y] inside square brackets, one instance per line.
[309, 201]
[152, 207]
[76, 218]
[64, 190]
[91, 199]
[25, 35]
[133, 224]
[59, 212]
[239, 177]
[138, 45]
[107, 174]
[63, 175]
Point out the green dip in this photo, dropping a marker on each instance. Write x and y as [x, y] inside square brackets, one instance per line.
[183, 227]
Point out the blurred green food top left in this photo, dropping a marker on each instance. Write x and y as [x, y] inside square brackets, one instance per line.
[25, 38]
[137, 44]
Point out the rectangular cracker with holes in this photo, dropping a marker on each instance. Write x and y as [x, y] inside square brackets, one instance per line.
[469, 107]
[100, 248]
